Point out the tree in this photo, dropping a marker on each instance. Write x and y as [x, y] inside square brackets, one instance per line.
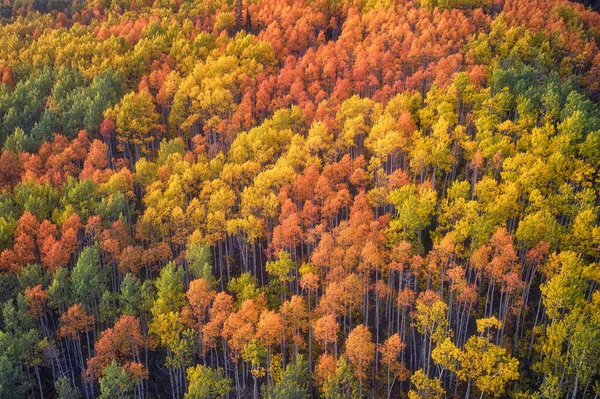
[244, 287]
[199, 263]
[269, 331]
[326, 330]
[32, 275]
[389, 356]
[489, 366]
[87, 277]
[130, 299]
[108, 307]
[136, 120]
[25, 249]
[567, 344]
[425, 387]
[20, 346]
[341, 383]
[10, 169]
[116, 382]
[36, 298]
[11, 379]
[295, 320]
[281, 269]
[431, 320]
[240, 327]
[123, 344]
[219, 312]
[168, 326]
[64, 389]
[169, 286]
[293, 383]
[207, 383]
[415, 206]
[360, 350]
[81, 196]
[75, 322]
[388, 174]
[60, 292]
[200, 296]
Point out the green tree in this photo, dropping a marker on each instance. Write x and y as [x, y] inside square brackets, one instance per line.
[32, 275]
[19, 141]
[291, 384]
[130, 298]
[116, 383]
[82, 197]
[169, 328]
[87, 278]
[244, 287]
[281, 269]
[415, 207]
[341, 384]
[570, 344]
[199, 262]
[64, 389]
[60, 292]
[207, 383]
[20, 350]
[169, 290]
[39, 199]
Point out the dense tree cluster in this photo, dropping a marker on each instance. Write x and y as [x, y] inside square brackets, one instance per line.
[293, 199]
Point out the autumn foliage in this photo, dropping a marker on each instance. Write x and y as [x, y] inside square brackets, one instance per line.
[291, 199]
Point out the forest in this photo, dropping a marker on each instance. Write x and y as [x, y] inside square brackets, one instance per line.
[296, 199]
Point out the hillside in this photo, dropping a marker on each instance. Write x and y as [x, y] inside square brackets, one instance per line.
[299, 199]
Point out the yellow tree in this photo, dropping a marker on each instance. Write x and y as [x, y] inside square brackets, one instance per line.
[137, 123]
[489, 366]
